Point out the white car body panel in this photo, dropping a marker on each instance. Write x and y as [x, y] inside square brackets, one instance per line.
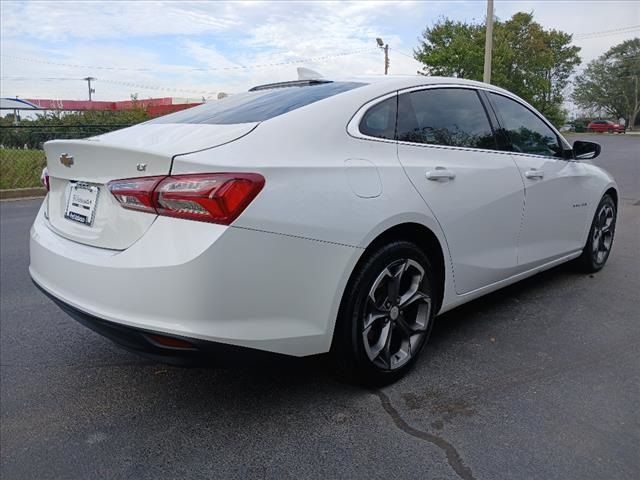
[274, 279]
[555, 208]
[237, 299]
[490, 182]
[98, 160]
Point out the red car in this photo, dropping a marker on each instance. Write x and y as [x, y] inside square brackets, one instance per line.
[602, 126]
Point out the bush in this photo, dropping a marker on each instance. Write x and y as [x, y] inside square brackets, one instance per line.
[20, 168]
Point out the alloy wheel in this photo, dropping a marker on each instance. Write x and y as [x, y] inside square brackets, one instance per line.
[397, 314]
[602, 234]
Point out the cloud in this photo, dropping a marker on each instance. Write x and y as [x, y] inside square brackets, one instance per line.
[64, 20]
[580, 17]
[170, 48]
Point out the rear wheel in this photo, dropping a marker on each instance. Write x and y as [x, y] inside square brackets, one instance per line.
[600, 240]
[386, 314]
[610, 130]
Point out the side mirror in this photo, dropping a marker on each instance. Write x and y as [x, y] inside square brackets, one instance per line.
[585, 150]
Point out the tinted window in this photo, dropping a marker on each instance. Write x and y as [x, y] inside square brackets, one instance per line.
[444, 116]
[257, 106]
[380, 120]
[527, 132]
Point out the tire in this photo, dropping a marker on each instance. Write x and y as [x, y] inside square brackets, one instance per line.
[378, 338]
[610, 130]
[600, 239]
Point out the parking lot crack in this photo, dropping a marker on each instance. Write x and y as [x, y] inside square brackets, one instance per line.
[453, 457]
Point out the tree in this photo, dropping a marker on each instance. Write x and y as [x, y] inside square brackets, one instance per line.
[610, 82]
[452, 49]
[34, 131]
[527, 60]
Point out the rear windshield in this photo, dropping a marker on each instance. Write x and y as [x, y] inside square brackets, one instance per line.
[257, 106]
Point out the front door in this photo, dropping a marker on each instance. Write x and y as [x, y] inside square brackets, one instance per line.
[447, 148]
[556, 199]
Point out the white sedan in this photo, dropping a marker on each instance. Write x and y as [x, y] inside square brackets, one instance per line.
[314, 216]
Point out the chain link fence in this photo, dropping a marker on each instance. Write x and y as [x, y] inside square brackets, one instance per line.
[22, 157]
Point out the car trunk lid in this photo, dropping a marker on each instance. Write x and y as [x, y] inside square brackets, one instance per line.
[80, 206]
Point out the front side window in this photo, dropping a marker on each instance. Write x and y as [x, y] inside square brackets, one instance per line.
[527, 132]
[380, 120]
[444, 116]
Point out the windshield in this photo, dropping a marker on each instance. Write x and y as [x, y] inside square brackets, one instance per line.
[257, 106]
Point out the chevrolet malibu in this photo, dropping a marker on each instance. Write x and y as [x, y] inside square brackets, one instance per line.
[315, 216]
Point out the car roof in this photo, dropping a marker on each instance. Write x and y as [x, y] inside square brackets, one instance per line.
[400, 82]
[387, 83]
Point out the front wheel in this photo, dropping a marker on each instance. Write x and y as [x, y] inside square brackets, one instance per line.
[600, 240]
[386, 314]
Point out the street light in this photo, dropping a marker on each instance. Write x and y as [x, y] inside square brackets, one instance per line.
[384, 47]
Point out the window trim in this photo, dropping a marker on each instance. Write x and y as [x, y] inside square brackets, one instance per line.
[561, 141]
[353, 124]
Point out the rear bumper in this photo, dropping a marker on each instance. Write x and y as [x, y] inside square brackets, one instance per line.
[201, 281]
[144, 342]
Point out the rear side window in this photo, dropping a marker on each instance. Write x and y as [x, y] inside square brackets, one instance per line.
[527, 132]
[380, 120]
[444, 116]
[257, 106]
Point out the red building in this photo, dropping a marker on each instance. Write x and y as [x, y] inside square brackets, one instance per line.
[154, 106]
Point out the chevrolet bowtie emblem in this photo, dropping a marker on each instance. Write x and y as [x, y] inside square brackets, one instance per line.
[66, 160]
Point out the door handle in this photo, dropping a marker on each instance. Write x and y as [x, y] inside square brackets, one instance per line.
[440, 173]
[534, 174]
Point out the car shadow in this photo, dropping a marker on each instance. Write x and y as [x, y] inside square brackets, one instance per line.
[452, 323]
[316, 373]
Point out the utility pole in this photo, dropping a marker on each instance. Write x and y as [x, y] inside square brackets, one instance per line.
[91, 90]
[488, 43]
[635, 104]
[386, 59]
[384, 47]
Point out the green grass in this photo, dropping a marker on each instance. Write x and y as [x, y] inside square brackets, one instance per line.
[20, 168]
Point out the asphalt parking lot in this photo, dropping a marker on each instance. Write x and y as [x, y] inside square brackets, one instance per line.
[540, 380]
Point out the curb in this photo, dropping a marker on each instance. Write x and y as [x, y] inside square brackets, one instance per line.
[21, 193]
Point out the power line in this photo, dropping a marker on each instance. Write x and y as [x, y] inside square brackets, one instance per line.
[609, 31]
[606, 33]
[198, 69]
[17, 77]
[114, 82]
[403, 53]
[157, 87]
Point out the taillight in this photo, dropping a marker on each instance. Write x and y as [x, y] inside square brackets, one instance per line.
[44, 178]
[208, 197]
[135, 193]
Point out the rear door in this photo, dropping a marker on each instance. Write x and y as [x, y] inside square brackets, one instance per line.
[448, 149]
[556, 194]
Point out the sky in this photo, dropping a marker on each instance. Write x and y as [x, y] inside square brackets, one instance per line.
[197, 49]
